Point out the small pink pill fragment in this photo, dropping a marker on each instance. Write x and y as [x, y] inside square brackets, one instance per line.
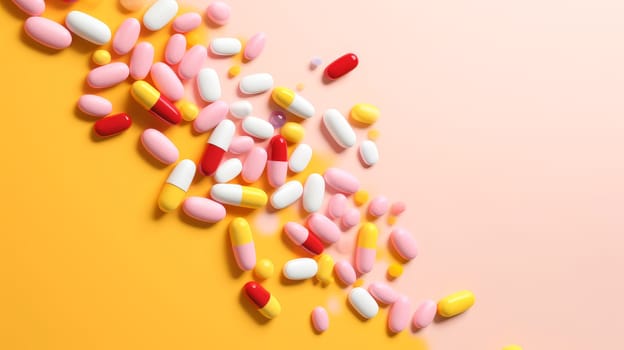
[337, 206]
[351, 218]
[159, 146]
[397, 208]
[187, 22]
[210, 116]
[425, 313]
[383, 293]
[341, 181]
[241, 145]
[378, 206]
[323, 228]
[345, 272]
[399, 314]
[255, 45]
[253, 167]
[320, 319]
[175, 49]
[204, 209]
[31, 7]
[167, 82]
[108, 75]
[95, 105]
[404, 243]
[141, 60]
[126, 36]
[192, 62]
[48, 33]
[218, 12]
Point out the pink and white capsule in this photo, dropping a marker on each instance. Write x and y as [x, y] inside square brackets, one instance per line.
[175, 49]
[286, 195]
[425, 313]
[366, 251]
[159, 146]
[167, 82]
[192, 62]
[204, 209]
[383, 293]
[313, 193]
[399, 314]
[341, 181]
[337, 206]
[210, 116]
[404, 243]
[345, 272]
[126, 36]
[300, 158]
[254, 164]
[141, 60]
[242, 244]
[323, 227]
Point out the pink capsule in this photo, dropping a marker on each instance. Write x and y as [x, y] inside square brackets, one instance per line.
[337, 206]
[31, 7]
[399, 314]
[425, 313]
[320, 319]
[351, 218]
[108, 75]
[383, 293]
[253, 167]
[210, 116]
[341, 181]
[141, 60]
[159, 146]
[126, 36]
[254, 46]
[378, 206]
[345, 272]
[94, 105]
[167, 82]
[192, 62]
[204, 209]
[218, 12]
[175, 49]
[323, 228]
[187, 22]
[404, 243]
[241, 145]
[48, 33]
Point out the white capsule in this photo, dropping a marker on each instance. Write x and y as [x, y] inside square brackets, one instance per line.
[182, 175]
[300, 269]
[363, 302]
[88, 27]
[313, 193]
[300, 158]
[225, 46]
[228, 170]
[256, 83]
[339, 128]
[209, 85]
[369, 152]
[159, 14]
[258, 128]
[223, 134]
[241, 109]
[286, 194]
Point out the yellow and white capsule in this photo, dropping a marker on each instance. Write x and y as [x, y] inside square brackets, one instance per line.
[176, 186]
[366, 247]
[292, 102]
[456, 303]
[240, 196]
[242, 244]
[325, 268]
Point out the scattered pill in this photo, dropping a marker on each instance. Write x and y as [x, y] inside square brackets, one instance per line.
[228, 170]
[203, 209]
[363, 302]
[108, 75]
[277, 164]
[175, 49]
[341, 66]
[166, 81]
[455, 303]
[292, 132]
[373, 134]
[187, 22]
[112, 125]
[293, 102]
[325, 268]
[31, 7]
[369, 152]
[315, 62]
[256, 83]
[254, 46]
[88, 27]
[351, 218]
[159, 146]
[218, 12]
[254, 165]
[210, 116]
[242, 244]
[323, 228]
[209, 85]
[241, 109]
[395, 270]
[151, 99]
[300, 269]
[267, 304]
[313, 193]
[225, 46]
[320, 319]
[264, 269]
[364, 113]
[95, 105]
[397, 208]
[188, 109]
[366, 248]
[277, 119]
[286, 194]
[424, 315]
[360, 197]
[257, 127]
[48, 33]
[345, 273]
[378, 206]
[300, 158]
[404, 243]
[101, 57]
[192, 62]
[159, 14]
[217, 145]
[399, 314]
[141, 60]
[383, 293]
[132, 5]
[126, 36]
[176, 186]
[339, 128]
[341, 181]
[241, 145]
[337, 206]
[240, 196]
[300, 235]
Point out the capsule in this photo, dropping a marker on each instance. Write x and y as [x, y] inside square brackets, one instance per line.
[240, 196]
[151, 99]
[341, 66]
[325, 268]
[455, 303]
[267, 304]
[303, 238]
[112, 125]
[217, 145]
[277, 165]
[242, 244]
[366, 247]
[295, 104]
[176, 186]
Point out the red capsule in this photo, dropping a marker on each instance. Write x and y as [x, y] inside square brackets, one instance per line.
[341, 66]
[112, 125]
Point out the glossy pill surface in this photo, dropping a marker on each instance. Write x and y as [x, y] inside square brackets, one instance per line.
[341, 181]
[256, 83]
[286, 195]
[254, 46]
[341, 66]
[225, 46]
[210, 116]
[95, 105]
[424, 314]
[300, 269]
[108, 75]
[369, 153]
[241, 145]
[228, 170]
[112, 125]
[48, 33]
[159, 146]
[293, 132]
[166, 81]
[339, 128]
[363, 303]
[456, 303]
[313, 193]
[192, 62]
[404, 243]
[399, 314]
[159, 14]
[187, 22]
[323, 227]
[257, 127]
[175, 49]
[204, 209]
[266, 303]
[31, 7]
[300, 158]
[218, 12]
[126, 36]
[345, 272]
[88, 27]
[383, 293]
[209, 85]
[141, 60]
[320, 319]
[364, 113]
[254, 165]
[241, 109]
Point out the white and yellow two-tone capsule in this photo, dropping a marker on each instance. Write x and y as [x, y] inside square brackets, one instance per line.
[242, 244]
[176, 186]
[366, 247]
[240, 196]
[292, 102]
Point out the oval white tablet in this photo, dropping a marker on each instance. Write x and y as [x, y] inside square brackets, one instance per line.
[313, 193]
[88, 27]
[369, 152]
[300, 269]
[256, 83]
[258, 128]
[159, 14]
[363, 302]
[300, 158]
[286, 194]
[225, 46]
[339, 128]
[228, 170]
[241, 109]
[209, 85]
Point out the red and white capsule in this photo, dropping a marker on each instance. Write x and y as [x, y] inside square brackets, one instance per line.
[217, 145]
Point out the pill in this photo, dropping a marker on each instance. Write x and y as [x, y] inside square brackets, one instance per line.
[292, 132]
[210, 116]
[176, 186]
[243, 245]
[378, 206]
[364, 113]
[325, 264]
[101, 57]
[31, 7]
[187, 22]
[95, 105]
[277, 119]
[300, 158]
[240, 196]
[218, 12]
[166, 81]
[351, 218]
[315, 62]
[141, 60]
[369, 152]
[126, 36]
[395, 270]
[313, 193]
[292, 102]
[88, 27]
[152, 100]
[345, 273]
[241, 109]
[266, 303]
[397, 208]
[254, 46]
[264, 269]
[112, 125]
[339, 128]
[225, 46]
[363, 302]
[404, 243]
[228, 170]
[512, 347]
[241, 145]
[209, 85]
[320, 319]
[399, 314]
[159, 146]
[341, 66]
[360, 197]
[424, 314]
[48, 33]
[366, 248]
[337, 206]
[204, 209]
[159, 14]
[373, 134]
[341, 181]
[254, 164]
[456, 303]
[323, 228]
[300, 235]
[300, 269]
[286, 194]
[192, 62]
[257, 127]
[218, 143]
[234, 71]
[277, 164]
[188, 109]
[256, 83]
[108, 75]
[383, 293]
[175, 49]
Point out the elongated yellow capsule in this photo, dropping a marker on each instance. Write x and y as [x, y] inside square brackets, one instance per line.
[325, 268]
[456, 303]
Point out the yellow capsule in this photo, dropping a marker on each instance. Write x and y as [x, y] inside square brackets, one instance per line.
[364, 113]
[240, 232]
[358, 283]
[292, 132]
[455, 303]
[188, 109]
[367, 236]
[234, 71]
[325, 268]
[264, 269]
[101, 57]
[395, 270]
[373, 134]
[512, 347]
[360, 197]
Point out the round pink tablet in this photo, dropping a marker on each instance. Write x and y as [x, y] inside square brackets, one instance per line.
[141, 60]
[254, 165]
[210, 116]
[187, 22]
[425, 313]
[175, 49]
[320, 319]
[159, 146]
[351, 218]
[48, 33]
[378, 206]
[241, 144]
[126, 36]
[397, 208]
[108, 75]
[203, 209]
[167, 82]
[31, 7]
[192, 61]
[399, 314]
[341, 181]
[323, 227]
[254, 46]
[345, 272]
[95, 105]
[337, 206]
[218, 12]
[404, 243]
[383, 293]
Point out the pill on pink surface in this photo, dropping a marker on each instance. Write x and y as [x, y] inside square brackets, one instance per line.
[337, 206]
[323, 228]
[254, 46]
[341, 181]
[254, 165]
[218, 12]
[241, 145]
[399, 314]
[187, 22]
[425, 313]
[95, 105]
[141, 60]
[404, 243]
[320, 319]
[397, 208]
[345, 272]
[159, 146]
[167, 82]
[383, 293]
[210, 116]
[126, 36]
[204, 209]
[48, 33]
[175, 49]
[108, 75]
[31, 7]
[192, 62]
[378, 206]
[351, 218]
